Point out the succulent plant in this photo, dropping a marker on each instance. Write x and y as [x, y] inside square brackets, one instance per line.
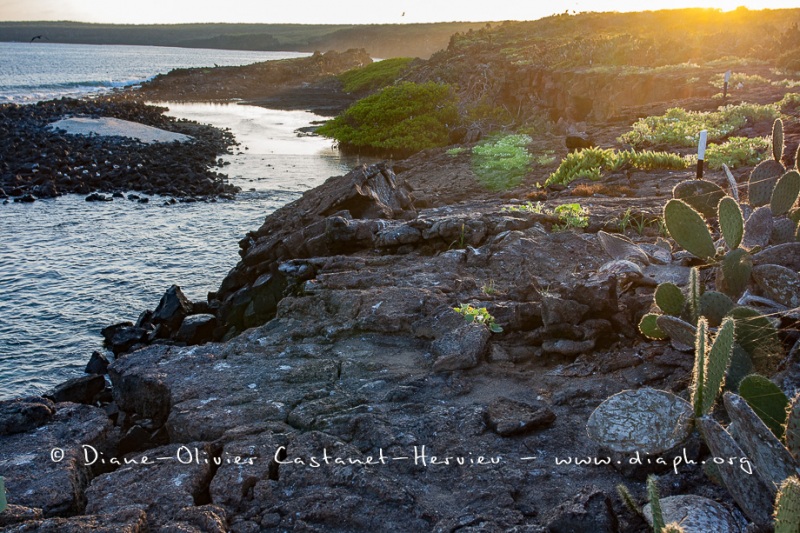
[777, 139]
[758, 228]
[733, 273]
[702, 195]
[787, 507]
[714, 306]
[688, 228]
[784, 195]
[731, 222]
[710, 365]
[757, 335]
[783, 230]
[655, 504]
[762, 182]
[669, 298]
[648, 326]
[767, 400]
[792, 430]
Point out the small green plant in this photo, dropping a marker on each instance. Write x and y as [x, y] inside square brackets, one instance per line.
[500, 163]
[527, 207]
[571, 216]
[479, 315]
[589, 163]
[488, 288]
[737, 152]
[456, 151]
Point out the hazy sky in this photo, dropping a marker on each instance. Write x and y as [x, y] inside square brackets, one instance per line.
[332, 11]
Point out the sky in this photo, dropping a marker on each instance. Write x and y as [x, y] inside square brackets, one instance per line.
[333, 11]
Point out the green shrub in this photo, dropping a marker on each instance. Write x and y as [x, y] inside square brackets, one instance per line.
[682, 128]
[738, 151]
[590, 162]
[375, 75]
[501, 162]
[398, 120]
[748, 80]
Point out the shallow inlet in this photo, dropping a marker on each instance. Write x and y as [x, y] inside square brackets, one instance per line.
[70, 267]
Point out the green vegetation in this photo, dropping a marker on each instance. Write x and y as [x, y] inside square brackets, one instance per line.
[748, 80]
[737, 152]
[682, 128]
[589, 163]
[569, 215]
[374, 76]
[398, 120]
[479, 315]
[501, 162]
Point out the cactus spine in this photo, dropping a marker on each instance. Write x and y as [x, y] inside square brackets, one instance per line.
[787, 507]
[716, 363]
[695, 291]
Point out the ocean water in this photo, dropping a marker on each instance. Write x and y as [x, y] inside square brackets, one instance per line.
[69, 267]
[40, 70]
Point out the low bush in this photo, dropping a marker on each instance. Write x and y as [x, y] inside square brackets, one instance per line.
[375, 75]
[589, 163]
[398, 120]
[501, 162]
[738, 151]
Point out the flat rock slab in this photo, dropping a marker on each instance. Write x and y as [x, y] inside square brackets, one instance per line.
[696, 514]
[509, 417]
[114, 127]
[45, 468]
[127, 520]
[647, 421]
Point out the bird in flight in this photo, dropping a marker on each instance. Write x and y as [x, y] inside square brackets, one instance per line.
[36, 37]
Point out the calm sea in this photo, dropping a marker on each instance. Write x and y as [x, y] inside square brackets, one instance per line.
[70, 267]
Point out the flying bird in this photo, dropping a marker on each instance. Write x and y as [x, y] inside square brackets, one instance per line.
[37, 37]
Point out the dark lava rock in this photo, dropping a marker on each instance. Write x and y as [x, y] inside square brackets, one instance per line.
[196, 329]
[509, 417]
[461, 349]
[17, 514]
[589, 510]
[124, 339]
[127, 520]
[98, 364]
[24, 414]
[46, 469]
[97, 197]
[108, 332]
[25, 199]
[578, 142]
[82, 389]
[172, 309]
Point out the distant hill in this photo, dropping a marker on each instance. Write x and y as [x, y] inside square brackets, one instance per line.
[380, 40]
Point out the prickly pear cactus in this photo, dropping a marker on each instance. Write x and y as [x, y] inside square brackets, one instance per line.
[699, 372]
[787, 507]
[649, 327]
[777, 139]
[792, 430]
[757, 335]
[714, 306]
[767, 401]
[695, 291]
[716, 363]
[702, 195]
[734, 272]
[785, 193]
[783, 231]
[762, 182]
[688, 228]
[731, 222]
[655, 503]
[669, 299]
[758, 228]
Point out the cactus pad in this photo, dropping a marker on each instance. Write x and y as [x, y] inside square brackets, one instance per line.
[792, 432]
[701, 195]
[758, 228]
[759, 338]
[740, 367]
[649, 327]
[716, 364]
[733, 274]
[679, 331]
[785, 193]
[779, 283]
[688, 228]
[731, 222]
[783, 231]
[714, 306]
[777, 139]
[767, 400]
[787, 507]
[762, 181]
[669, 299]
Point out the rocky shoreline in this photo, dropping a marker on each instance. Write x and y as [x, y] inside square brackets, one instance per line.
[39, 162]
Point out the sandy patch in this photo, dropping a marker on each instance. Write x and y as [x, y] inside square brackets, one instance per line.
[108, 126]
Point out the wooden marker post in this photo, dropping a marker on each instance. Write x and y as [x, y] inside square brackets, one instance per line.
[701, 153]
